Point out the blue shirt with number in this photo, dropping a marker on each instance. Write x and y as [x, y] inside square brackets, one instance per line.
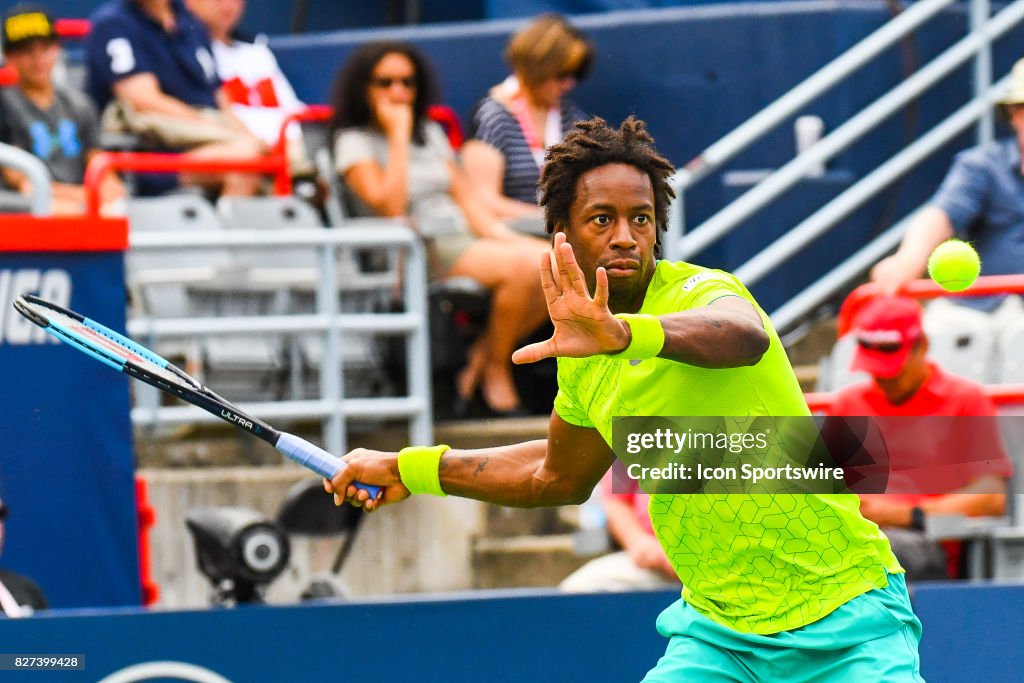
[125, 41]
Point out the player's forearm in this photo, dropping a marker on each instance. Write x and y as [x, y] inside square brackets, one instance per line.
[513, 476]
[710, 338]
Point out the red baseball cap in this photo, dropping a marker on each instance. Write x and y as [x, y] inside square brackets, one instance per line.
[886, 330]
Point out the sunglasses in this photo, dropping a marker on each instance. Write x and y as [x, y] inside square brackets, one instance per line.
[386, 82]
[881, 348]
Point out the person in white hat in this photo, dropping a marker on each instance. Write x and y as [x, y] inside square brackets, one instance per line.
[981, 200]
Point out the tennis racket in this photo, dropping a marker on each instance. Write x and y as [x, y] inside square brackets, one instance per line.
[131, 358]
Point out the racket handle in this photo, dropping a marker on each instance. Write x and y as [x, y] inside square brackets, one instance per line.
[315, 458]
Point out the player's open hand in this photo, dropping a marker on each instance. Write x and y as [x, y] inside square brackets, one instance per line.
[584, 325]
[374, 468]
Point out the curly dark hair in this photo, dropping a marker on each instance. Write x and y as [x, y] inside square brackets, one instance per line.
[348, 91]
[594, 143]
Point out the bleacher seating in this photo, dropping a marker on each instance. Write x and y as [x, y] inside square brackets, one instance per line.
[961, 340]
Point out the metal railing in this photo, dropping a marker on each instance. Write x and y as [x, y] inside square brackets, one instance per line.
[976, 44]
[332, 406]
[41, 200]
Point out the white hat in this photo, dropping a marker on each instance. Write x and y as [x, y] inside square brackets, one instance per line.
[1015, 95]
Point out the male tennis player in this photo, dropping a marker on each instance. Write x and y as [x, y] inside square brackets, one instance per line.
[777, 587]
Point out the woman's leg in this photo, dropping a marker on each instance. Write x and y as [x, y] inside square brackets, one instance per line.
[510, 271]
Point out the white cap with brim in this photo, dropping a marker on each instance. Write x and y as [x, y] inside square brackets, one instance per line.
[1015, 95]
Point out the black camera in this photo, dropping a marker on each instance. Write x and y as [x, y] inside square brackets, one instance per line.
[239, 550]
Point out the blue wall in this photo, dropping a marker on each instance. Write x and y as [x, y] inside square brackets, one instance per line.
[971, 633]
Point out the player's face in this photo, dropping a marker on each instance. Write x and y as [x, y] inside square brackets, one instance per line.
[611, 224]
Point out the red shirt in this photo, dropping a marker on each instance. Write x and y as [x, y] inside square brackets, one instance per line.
[944, 395]
[933, 455]
[941, 394]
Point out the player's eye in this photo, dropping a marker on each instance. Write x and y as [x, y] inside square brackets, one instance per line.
[602, 219]
[642, 219]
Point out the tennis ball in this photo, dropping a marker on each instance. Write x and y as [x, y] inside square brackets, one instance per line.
[954, 265]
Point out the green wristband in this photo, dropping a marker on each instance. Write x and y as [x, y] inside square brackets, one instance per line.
[648, 337]
[418, 468]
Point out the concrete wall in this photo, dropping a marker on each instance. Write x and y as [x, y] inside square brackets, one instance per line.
[424, 544]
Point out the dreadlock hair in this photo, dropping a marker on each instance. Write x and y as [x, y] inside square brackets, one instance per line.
[592, 144]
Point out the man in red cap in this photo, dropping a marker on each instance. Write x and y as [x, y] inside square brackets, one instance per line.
[892, 348]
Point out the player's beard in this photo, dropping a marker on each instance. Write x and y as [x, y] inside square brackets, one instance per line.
[626, 295]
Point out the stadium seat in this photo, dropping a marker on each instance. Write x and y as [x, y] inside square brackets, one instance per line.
[159, 279]
[960, 340]
[1011, 354]
[835, 370]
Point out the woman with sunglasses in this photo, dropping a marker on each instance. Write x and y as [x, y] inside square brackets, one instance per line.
[524, 115]
[397, 162]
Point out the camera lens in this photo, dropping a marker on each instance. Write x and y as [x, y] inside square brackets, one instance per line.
[261, 551]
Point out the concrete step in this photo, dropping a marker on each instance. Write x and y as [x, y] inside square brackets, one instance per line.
[221, 445]
[524, 561]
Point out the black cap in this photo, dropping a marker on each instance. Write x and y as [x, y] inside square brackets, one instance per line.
[27, 22]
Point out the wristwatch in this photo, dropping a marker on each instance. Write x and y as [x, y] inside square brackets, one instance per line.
[917, 518]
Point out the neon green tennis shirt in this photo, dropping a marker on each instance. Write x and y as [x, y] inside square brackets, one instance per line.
[756, 563]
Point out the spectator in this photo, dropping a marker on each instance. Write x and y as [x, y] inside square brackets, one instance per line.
[396, 163]
[523, 116]
[892, 348]
[978, 201]
[51, 121]
[260, 95]
[20, 596]
[642, 562]
[152, 74]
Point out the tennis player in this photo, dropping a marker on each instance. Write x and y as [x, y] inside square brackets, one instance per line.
[776, 587]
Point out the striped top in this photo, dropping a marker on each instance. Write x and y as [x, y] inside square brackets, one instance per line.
[497, 126]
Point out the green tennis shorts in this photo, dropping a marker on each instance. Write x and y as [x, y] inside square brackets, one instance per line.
[873, 637]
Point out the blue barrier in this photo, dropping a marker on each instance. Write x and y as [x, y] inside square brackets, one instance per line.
[970, 633]
[511, 636]
[66, 461]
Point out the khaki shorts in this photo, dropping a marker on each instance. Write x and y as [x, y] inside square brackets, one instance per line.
[444, 250]
[162, 130]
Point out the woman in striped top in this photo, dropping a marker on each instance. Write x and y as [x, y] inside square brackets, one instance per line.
[524, 115]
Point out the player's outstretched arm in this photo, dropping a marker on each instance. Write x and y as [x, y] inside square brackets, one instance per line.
[561, 470]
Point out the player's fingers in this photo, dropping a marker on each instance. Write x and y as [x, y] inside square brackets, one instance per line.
[531, 353]
[573, 272]
[547, 278]
[601, 288]
[562, 269]
[328, 486]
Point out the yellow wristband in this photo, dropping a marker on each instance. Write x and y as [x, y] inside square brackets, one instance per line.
[647, 337]
[418, 468]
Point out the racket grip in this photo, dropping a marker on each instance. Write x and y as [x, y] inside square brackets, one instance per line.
[315, 458]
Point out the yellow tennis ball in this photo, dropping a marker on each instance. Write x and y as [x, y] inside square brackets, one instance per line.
[954, 265]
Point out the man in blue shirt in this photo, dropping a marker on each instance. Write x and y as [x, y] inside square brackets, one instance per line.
[981, 200]
[152, 69]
